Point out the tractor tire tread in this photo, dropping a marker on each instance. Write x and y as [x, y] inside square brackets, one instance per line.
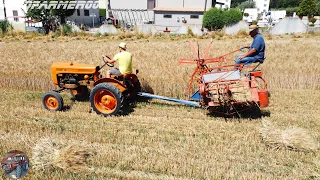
[115, 91]
[57, 96]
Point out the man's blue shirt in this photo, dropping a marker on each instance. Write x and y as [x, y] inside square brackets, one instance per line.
[259, 45]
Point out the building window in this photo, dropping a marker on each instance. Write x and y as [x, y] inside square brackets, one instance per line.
[15, 13]
[86, 12]
[167, 16]
[265, 5]
[78, 12]
[194, 16]
[151, 4]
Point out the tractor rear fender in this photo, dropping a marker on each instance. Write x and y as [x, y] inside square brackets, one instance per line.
[114, 82]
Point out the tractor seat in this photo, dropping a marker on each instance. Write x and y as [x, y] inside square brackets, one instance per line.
[259, 61]
[121, 77]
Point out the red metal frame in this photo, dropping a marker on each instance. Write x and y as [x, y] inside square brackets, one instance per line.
[221, 86]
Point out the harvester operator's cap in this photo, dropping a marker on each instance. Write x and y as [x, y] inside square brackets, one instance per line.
[123, 45]
[253, 27]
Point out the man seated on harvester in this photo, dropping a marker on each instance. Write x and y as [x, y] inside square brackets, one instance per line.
[125, 61]
[256, 50]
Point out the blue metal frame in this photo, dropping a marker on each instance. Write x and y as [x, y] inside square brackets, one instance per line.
[180, 101]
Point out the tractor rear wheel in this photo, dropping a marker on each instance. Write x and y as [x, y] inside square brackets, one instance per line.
[52, 101]
[106, 99]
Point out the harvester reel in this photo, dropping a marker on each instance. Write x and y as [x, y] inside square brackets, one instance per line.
[52, 101]
[106, 99]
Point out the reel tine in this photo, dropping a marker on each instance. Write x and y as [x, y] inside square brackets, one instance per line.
[192, 47]
[207, 50]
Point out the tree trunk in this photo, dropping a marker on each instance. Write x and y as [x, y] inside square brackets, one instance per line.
[63, 19]
[50, 25]
[46, 27]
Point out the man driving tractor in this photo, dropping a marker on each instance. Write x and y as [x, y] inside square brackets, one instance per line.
[125, 61]
[256, 50]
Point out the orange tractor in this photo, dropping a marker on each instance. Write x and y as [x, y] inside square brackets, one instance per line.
[85, 82]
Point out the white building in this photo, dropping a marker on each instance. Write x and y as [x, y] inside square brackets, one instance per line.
[133, 12]
[175, 13]
[262, 6]
[14, 13]
[163, 12]
[1, 10]
[88, 17]
[15, 10]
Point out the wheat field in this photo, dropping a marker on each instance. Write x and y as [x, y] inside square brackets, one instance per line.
[158, 140]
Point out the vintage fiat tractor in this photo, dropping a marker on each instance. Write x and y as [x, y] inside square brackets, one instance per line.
[85, 82]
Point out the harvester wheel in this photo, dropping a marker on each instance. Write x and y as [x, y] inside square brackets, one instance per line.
[80, 93]
[52, 101]
[106, 99]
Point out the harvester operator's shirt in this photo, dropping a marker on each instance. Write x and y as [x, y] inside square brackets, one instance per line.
[259, 45]
[125, 62]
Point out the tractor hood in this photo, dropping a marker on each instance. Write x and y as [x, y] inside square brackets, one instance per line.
[64, 67]
[71, 68]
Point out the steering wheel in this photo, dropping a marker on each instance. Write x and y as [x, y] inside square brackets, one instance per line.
[106, 63]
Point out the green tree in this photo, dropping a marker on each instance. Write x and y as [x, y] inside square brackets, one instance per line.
[291, 3]
[5, 26]
[48, 16]
[232, 16]
[318, 6]
[245, 5]
[275, 4]
[63, 14]
[213, 19]
[308, 8]
[235, 3]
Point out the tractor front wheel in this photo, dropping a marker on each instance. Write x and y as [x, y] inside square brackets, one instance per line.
[106, 99]
[52, 101]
